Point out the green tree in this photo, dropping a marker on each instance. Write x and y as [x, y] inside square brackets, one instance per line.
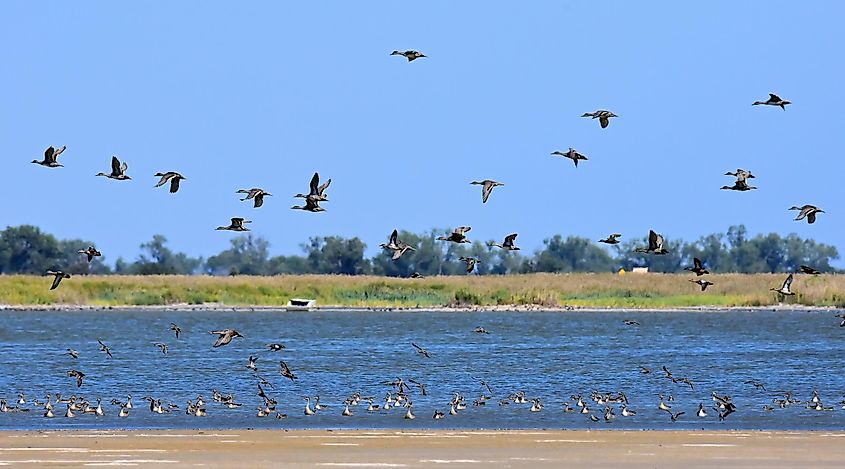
[337, 255]
[158, 259]
[247, 256]
[573, 254]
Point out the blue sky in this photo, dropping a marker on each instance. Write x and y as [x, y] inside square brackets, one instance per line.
[242, 94]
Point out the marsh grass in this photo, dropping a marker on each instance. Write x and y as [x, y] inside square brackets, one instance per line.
[586, 290]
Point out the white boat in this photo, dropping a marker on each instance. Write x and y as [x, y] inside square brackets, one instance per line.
[301, 304]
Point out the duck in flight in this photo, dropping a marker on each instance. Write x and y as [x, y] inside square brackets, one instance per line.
[808, 211]
[697, 268]
[806, 269]
[91, 252]
[256, 194]
[118, 170]
[774, 100]
[276, 347]
[161, 347]
[612, 239]
[73, 353]
[602, 115]
[487, 188]
[78, 375]
[572, 154]
[740, 185]
[50, 155]
[411, 55]
[507, 244]
[396, 245]
[655, 244]
[105, 348]
[470, 262]
[785, 289]
[311, 205]
[741, 174]
[224, 337]
[176, 329]
[285, 371]
[457, 236]
[58, 275]
[171, 176]
[236, 225]
[421, 350]
[316, 190]
[702, 283]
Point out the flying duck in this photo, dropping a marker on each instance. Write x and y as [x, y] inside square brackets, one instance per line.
[398, 247]
[457, 236]
[702, 283]
[78, 375]
[50, 155]
[256, 194]
[58, 275]
[774, 100]
[311, 205]
[602, 115]
[118, 170]
[285, 371]
[224, 337]
[487, 188]
[275, 347]
[697, 268]
[507, 244]
[808, 270]
[739, 185]
[162, 347]
[176, 329]
[470, 262]
[741, 174]
[421, 350]
[316, 190]
[411, 55]
[655, 244]
[73, 353]
[171, 176]
[785, 288]
[105, 348]
[572, 154]
[808, 211]
[612, 239]
[236, 225]
[91, 252]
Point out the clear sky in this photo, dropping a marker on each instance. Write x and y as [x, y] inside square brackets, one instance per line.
[261, 94]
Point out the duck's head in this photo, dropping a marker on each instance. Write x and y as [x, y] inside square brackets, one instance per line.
[396, 52]
[795, 208]
[101, 174]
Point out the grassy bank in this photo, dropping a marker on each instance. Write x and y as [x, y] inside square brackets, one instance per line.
[585, 290]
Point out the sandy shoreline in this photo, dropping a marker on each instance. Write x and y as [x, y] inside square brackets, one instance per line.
[505, 308]
[392, 448]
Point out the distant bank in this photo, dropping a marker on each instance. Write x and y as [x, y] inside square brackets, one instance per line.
[552, 291]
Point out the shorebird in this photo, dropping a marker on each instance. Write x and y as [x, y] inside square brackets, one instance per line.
[73, 353]
[162, 347]
[774, 100]
[397, 246]
[572, 154]
[457, 236]
[171, 176]
[612, 239]
[785, 288]
[105, 348]
[411, 55]
[236, 225]
[256, 194]
[487, 188]
[602, 115]
[285, 371]
[697, 268]
[702, 283]
[224, 336]
[58, 275]
[507, 244]
[808, 211]
[316, 190]
[311, 205]
[91, 252]
[470, 262]
[655, 244]
[78, 375]
[118, 170]
[421, 350]
[50, 155]
[176, 329]
[808, 270]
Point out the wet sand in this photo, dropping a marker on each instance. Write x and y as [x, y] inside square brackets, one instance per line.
[389, 448]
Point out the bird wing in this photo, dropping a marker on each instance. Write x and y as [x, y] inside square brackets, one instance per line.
[509, 239]
[174, 185]
[811, 217]
[115, 165]
[57, 280]
[461, 230]
[124, 167]
[697, 263]
[787, 284]
[393, 238]
[259, 200]
[59, 152]
[324, 186]
[220, 339]
[652, 240]
[315, 180]
[603, 121]
[774, 97]
[49, 154]
[164, 178]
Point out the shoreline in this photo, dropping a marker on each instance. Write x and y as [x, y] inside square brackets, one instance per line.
[402, 448]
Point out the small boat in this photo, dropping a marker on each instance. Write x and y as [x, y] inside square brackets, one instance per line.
[300, 304]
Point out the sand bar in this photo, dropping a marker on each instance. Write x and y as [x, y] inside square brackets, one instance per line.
[392, 448]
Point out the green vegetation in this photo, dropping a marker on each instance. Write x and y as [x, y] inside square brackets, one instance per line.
[547, 290]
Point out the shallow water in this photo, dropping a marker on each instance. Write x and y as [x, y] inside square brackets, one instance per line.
[336, 353]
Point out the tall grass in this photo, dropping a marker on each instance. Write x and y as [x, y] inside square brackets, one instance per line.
[584, 290]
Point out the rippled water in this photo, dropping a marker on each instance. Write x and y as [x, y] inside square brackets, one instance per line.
[336, 353]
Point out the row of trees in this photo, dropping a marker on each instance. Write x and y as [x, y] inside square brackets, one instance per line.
[26, 249]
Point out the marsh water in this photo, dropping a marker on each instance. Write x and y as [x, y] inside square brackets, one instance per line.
[547, 355]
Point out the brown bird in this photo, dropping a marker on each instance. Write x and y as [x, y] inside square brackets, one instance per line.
[785, 288]
[702, 283]
[808, 270]
[311, 205]
[697, 268]
[470, 262]
[655, 244]
[58, 276]
[237, 225]
[171, 176]
[91, 252]
[612, 239]
[78, 375]
[808, 211]
[256, 194]
[507, 244]
[285, 371]
[457, 236]
[118, 170]
[397, 246]
[488, 185]
[602, 115]
[316, 190]
[225, 336]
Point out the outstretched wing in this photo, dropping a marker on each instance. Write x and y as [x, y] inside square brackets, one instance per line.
[509, 239]
[774, 97]
[174, 185]
[787, 284]
[115, 165]
[485, 191]
[324, 186]
[652, 240]
[603, 121]
[49, 154]
[56, 281]
[393, 237]
[462, 229]
[697, 263]
[315, 181]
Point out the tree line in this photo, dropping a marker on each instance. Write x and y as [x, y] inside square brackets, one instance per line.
[26, 249]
